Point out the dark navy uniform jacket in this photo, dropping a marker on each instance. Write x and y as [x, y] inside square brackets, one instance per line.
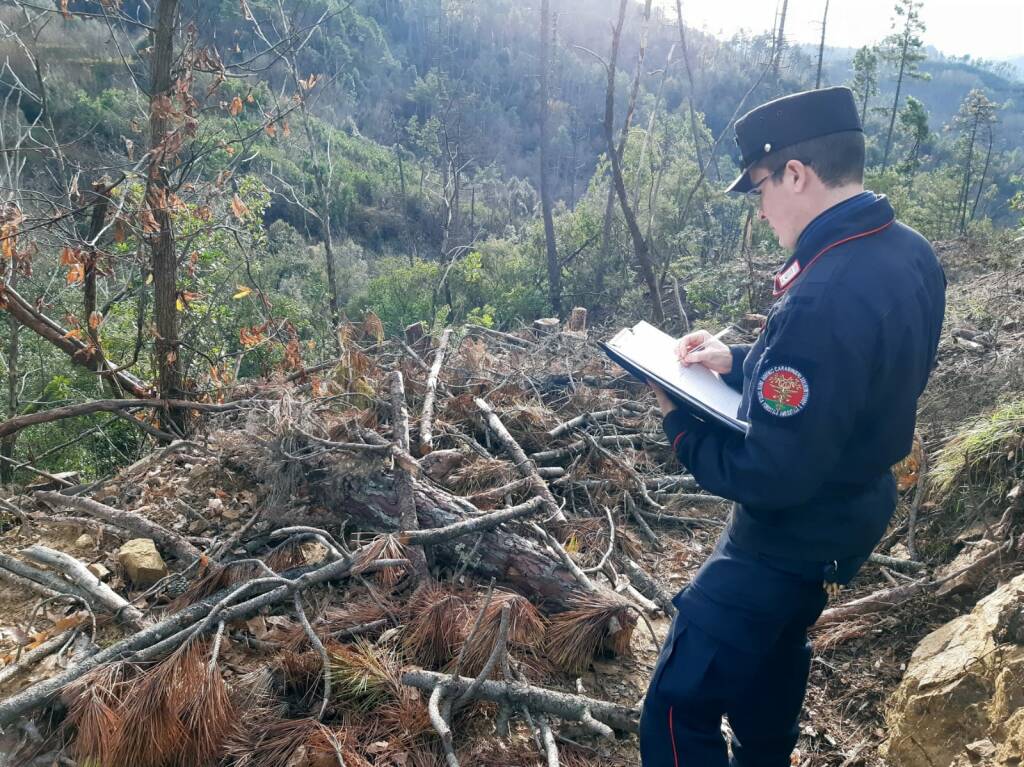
[829, 389]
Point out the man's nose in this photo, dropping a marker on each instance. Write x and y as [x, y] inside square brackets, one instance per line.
[760, 214]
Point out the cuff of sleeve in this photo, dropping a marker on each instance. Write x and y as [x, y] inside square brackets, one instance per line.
[676, 425]
[734, 377]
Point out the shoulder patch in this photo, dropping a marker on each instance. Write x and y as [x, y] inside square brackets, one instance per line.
[783, 391]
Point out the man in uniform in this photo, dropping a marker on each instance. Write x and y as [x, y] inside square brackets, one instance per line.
[830, 393]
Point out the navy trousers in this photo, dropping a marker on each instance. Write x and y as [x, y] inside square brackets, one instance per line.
[738, 647]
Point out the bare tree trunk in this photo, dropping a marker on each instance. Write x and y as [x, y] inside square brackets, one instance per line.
[640, 247]
[609, 206]
[7, 444]
[780, 40]
[161, 241]
[554, 271]
[984, 172]
[324, 190]
[965, 192]
[689, 79]
[896, 100]
[821, 46]
[101, 190]
[649, 133]
[693, 115]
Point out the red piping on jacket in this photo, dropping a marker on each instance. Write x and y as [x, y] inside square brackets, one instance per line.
[777, 291]
[672, 737]
[679, 436]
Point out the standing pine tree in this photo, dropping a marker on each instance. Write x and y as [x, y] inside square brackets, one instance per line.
[974, 122]
[865, 77]
[904, 50]
[914, 122]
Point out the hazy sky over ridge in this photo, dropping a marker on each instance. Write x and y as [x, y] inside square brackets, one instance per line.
[991, 29]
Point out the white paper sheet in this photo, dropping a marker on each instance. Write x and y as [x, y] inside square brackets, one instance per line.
[655, 351]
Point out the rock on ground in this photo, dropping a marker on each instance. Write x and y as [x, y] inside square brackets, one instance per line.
[142, 562]
[961, 701]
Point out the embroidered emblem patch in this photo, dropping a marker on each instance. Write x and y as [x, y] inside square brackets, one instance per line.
[783, 391]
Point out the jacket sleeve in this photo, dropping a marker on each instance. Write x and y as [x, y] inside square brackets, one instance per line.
[734, 378]
[807, 389]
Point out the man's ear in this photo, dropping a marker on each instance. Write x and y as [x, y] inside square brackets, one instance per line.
[798, 172]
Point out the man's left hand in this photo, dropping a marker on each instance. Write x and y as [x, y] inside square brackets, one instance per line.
[664, 401]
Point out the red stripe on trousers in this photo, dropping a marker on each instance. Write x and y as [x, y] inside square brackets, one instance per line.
[672, 737]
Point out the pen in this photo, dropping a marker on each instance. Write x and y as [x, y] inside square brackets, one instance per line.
[717, 335]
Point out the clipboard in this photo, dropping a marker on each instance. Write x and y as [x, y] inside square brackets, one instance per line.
[649, 355]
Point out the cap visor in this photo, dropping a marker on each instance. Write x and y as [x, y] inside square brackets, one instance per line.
[741, 184]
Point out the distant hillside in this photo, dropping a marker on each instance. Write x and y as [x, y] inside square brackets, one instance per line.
[1018, 63]
[950, 80]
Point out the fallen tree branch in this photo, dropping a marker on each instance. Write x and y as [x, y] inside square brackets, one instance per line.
[404, 470]
[880, 600]
[646, 585]
[523, 465]
[158, 639]
[645, 529]
[116, 406]
[507, 337]
[498, 493]
[625, 409]
[25, 313]
[581, 577]
[80, 523]
[678, 519]
[440, 724]
[79, 574]
[427, 419]
[52, 584]
[497, 653]
[516, 694]
[577, 447]
[36, 654]
[475, 525]
[59, 481]
[133, 523]
[902, 565]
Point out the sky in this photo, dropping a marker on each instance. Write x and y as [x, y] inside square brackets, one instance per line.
[990, 29]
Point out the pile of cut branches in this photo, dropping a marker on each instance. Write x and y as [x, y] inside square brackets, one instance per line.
[349, 584]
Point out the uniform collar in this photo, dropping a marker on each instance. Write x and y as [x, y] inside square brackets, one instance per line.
[862, 215]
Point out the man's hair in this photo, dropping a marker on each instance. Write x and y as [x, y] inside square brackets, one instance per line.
[837, 158]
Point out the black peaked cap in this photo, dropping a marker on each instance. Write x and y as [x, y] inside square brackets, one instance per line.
[790, 120]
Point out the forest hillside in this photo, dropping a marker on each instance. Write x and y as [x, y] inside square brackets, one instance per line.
[308, 451]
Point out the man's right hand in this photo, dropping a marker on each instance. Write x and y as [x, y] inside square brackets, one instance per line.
[703, 348]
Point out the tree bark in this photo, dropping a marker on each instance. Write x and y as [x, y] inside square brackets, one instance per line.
[161, 241]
